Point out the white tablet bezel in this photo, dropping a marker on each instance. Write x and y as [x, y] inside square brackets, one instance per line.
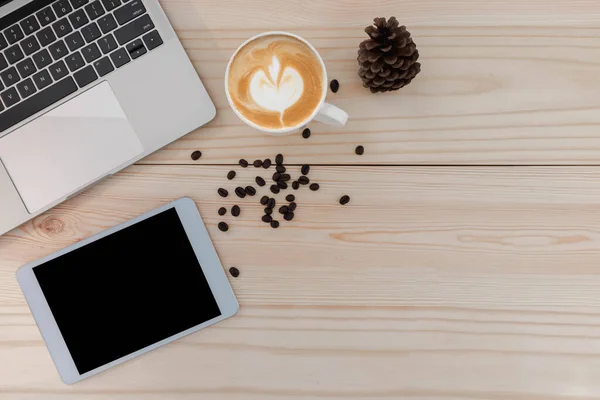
[207, 256]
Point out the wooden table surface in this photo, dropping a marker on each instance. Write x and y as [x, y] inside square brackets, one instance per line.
[466, 267]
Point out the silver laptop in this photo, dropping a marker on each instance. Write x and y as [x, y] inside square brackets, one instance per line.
[87, 87]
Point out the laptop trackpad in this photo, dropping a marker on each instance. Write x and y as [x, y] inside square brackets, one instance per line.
[69, 147]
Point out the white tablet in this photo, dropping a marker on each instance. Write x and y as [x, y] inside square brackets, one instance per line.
[127, 290]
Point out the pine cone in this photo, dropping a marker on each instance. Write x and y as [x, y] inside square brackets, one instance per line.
[388, 59]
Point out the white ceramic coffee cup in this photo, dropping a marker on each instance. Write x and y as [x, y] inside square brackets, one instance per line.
[325, 112]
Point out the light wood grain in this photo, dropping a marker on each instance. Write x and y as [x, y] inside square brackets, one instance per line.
[503, 82]
[433, 283]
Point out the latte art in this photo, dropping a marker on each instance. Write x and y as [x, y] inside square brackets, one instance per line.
[276, 82]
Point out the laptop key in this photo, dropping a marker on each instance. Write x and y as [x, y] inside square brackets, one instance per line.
[62, 27]
[78, 19]
[26, 88]
[3, 62]
[85, 76]
[78, 3]
[91, 32]
[103, 66]
[46, 16]
[74, 41]
[58, 50]
[62, 8]
[136, 48]
[26, 68]
[75, 61]
[58, 70]
[30, 45]
[107, 23]
[129, 12]
[10, 97]
[37, 103]
[14, 54]
[42, 59]
[3, 42]
[30, 25]
[10, 76]
[120, 57]
[91, 52]
[42, 79]
[134, 29]
[14, 34]
[46, 36]
[107, 44]
[94, 10]
[110, 5]
[152, 40]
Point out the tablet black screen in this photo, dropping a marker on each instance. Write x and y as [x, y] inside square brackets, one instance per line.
[127, 291]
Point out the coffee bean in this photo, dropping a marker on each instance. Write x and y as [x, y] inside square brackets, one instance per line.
[250, 190]
[295, 185]
[279, 159]
[260, 181]
[290, 197]
[267, 163]
[314, 187]
[271, 203]
[360, 150]
[234, 272]
[243, 163]
[222, 211]
[281, 169]
[267, 218]
[268, 211]
[241, 193]
[231, 175]
[196, 155]
[275, 224]
[257, 163]
[288, 216]
[223, 226]
[264, 200]
[306, 133]
[282, 185]
[344, 200]
[283, 209]
[334, 85]
[235, 211]
[222, 192]
[305, 169]
[303, 180]
[276, 176]
[275, 189]
[292, 206]
[285, 177]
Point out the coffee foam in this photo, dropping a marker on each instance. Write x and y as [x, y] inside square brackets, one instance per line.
[276, 81]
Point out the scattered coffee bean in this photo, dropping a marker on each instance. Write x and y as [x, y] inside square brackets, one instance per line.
[271, 203]
[288, 216]
[276, 176]
[264, 200]
[260, 181]
[222, 192]
[360, 150]
[290, 197]
[267, 163]
[344, 200]
[275, 224]
[283, 209]
[282, 185]
[305, 169]
[303, 180]
[274, 189]
[334, 85]
[292, 206]
[281, 169]
[223, 227]
[258, 163]
[268, 211]
[285, 177]
[196, 155]
[267, 218]
[241, 193]
[279, 159]
[306, 133]
[235, 211]
[250, 190]
[234, 272]
[314, 187]
[222, 211]
[295, 185]
[243, 163]
[231, 175]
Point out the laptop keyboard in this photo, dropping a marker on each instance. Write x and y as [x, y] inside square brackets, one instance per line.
[51, 49]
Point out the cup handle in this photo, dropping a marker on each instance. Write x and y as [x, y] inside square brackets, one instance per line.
[332, 115]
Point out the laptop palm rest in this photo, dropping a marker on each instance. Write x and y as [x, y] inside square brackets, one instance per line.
[69, 147]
